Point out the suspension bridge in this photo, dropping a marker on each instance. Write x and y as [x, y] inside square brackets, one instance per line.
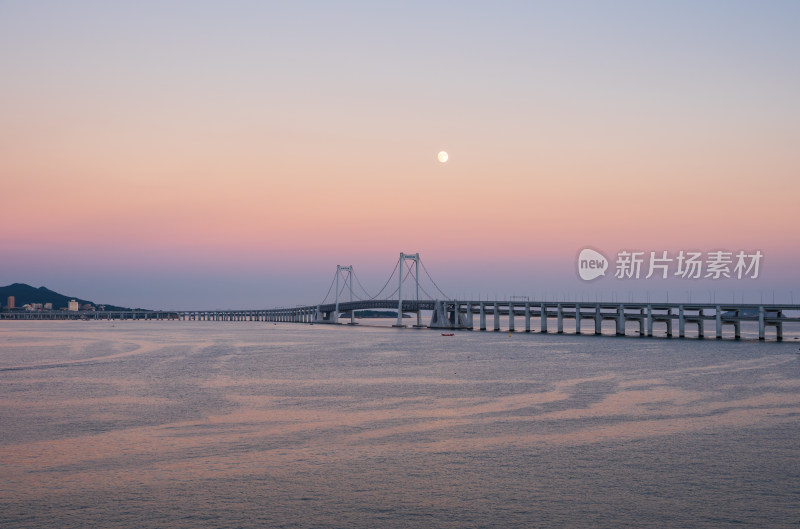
[405, 291]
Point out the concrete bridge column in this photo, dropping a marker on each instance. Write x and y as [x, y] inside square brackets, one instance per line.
[779, 326]
[681, 322]
[621, 320]
[649, 320]
[701, 323]
[470, 319]
[577, 319]
[496, 317]
[719, 323]
[598, 320]
[527, 317]
[560, 312]
[543, 318]
[669, 323]
[510, 317]
[482, 316]
[761, 327]
[641, 322]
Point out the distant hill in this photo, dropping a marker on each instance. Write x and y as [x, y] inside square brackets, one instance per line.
[25, 294]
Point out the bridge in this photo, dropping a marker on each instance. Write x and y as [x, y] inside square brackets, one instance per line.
[706, 319]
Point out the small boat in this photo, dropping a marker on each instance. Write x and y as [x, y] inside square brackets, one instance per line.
[448, 334]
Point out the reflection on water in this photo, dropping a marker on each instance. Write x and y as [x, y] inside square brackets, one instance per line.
[187, 424]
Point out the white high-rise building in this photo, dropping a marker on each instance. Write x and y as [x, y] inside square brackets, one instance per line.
[73, 305]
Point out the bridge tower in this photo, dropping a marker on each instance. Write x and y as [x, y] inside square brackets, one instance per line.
[339, 270]
[403, 258]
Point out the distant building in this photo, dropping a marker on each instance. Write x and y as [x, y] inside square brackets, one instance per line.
[73, 306]
[48, 306]
[10, 302]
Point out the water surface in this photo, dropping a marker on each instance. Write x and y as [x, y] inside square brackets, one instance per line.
[222, 424]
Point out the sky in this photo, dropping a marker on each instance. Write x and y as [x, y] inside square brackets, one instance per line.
[198, 155]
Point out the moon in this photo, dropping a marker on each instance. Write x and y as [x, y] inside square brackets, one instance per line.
[442, 156]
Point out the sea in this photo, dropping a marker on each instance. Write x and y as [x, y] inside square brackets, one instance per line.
[186, 424]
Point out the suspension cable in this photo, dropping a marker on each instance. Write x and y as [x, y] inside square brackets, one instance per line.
[344, 284]
[329, 288]
[387, 282]
[398, 287]
[425, 292]
[432, 281]
[358, 282]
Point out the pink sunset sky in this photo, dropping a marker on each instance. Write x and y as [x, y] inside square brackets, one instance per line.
[230, 155]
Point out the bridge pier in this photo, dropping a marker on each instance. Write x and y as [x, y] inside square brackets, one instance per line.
[496, 317]
[577, 319]
[701, 324]
[444, 318]
[598, 320]
[560, 313]
[527, 317]
[511, 317]
[543, 318]
[482, 318]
